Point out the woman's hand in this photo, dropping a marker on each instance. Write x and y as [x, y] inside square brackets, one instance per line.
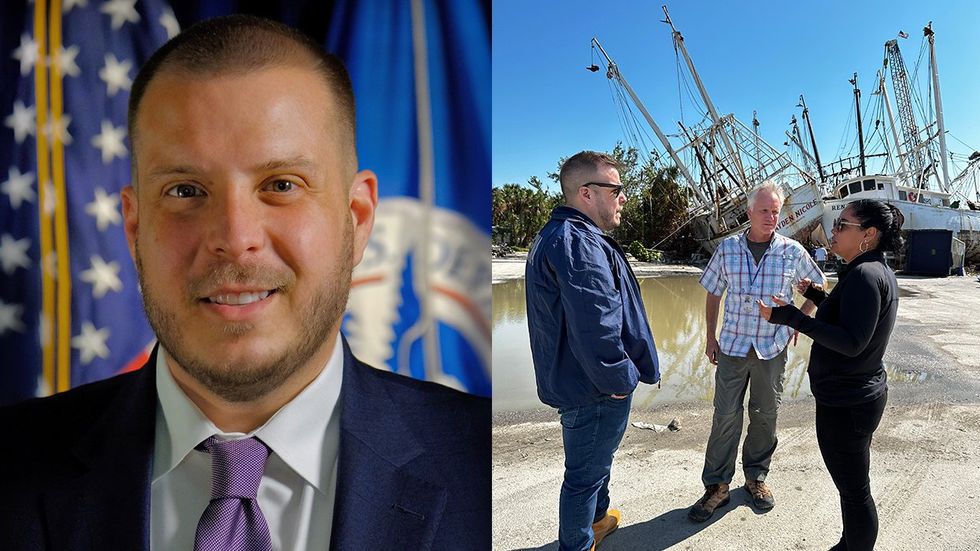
[766, 311]
[805, 284]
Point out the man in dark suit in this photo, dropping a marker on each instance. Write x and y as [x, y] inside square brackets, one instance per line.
[252, 426]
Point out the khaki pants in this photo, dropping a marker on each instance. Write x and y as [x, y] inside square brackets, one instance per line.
[764, 380]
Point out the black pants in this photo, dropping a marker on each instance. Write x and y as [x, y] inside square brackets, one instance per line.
[844, 437]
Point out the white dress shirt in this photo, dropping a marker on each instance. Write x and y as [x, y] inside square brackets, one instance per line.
[296, 494]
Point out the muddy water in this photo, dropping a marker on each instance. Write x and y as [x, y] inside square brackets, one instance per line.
[675, 308]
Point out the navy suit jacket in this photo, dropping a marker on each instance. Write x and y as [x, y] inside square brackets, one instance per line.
[413, 469]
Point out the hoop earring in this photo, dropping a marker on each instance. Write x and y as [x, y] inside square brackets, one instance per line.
[863, 247]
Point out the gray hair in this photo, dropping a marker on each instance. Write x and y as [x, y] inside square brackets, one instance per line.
[768, 187]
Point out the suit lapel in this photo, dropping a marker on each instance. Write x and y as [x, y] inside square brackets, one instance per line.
[108, 505]
[379, 504]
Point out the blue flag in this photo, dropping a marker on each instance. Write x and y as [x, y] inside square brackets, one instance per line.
[421, 297]
[70, 310]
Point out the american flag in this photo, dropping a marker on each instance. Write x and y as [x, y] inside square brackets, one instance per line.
[70, 310]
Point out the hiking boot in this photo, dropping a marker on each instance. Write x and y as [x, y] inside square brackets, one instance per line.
[605, 526]
[761, 496]
[715, 496]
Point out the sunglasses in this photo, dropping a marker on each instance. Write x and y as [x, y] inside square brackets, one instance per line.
[614, 189]
[840, 225]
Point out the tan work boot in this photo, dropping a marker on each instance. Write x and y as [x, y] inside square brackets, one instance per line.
[761, 496]
[715, 496]
[605, 526]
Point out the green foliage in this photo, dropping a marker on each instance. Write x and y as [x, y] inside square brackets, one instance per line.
[519, 212]
[639, 252]
[654, 213]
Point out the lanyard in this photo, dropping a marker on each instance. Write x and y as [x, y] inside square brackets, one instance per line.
[748, 261]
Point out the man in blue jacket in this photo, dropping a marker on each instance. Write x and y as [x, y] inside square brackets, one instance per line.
[590, 340]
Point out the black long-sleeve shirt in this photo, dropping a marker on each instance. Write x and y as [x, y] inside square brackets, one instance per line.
[850, 332]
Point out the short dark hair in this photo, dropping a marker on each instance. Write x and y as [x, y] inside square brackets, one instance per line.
[886, 217]
[239, 44]
[583, 161]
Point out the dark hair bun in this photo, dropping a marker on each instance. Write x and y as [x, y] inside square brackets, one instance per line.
[886, 217]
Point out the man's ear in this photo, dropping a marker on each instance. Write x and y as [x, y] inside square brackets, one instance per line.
[363, 202]
[131, 220]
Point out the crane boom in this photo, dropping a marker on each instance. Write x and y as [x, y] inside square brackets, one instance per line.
[903, 100]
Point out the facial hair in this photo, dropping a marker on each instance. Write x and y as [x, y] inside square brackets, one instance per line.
[250, 380]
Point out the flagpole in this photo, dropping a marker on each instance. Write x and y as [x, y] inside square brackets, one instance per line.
[48, 318]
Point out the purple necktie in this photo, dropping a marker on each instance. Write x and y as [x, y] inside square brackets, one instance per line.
[233, 520]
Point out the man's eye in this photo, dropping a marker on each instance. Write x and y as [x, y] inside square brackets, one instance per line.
[281, 186]
[184, 191]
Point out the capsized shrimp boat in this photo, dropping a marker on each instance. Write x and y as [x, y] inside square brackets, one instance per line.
[720, 160]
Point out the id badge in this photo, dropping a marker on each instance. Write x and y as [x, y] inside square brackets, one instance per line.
[748, 304]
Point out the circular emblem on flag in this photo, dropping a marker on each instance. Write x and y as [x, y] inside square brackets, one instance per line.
[401, 275]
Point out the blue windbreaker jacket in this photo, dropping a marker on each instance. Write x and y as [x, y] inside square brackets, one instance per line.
[589, 332]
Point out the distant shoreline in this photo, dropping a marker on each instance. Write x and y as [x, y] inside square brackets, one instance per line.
[511, 267]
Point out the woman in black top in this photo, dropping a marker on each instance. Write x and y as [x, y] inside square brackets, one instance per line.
[847, 377]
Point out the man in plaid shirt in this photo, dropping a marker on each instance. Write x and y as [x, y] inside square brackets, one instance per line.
[756, 264]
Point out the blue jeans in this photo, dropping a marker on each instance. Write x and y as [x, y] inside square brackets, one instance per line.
[591, 434]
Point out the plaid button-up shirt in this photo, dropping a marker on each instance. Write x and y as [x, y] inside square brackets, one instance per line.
[732, 268]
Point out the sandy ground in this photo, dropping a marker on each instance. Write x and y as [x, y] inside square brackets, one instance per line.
[925, 456]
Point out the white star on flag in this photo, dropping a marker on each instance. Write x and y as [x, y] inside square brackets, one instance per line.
[13, 253]
[66, 61]
[50, 199]
[122, 11]
[59, 127]
[18, 187]
[10, 317]
[21, 121]
[69, 4]
[104, 276]
[169, 22]
[110, 141]
[44, 329]
[105, 209]
[50, 262]
[115, 74]
[27, 53]
[91, 343]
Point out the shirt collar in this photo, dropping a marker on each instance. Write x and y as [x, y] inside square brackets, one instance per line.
[296, 433]
[874, 255]
[565, 212]
[776, 239]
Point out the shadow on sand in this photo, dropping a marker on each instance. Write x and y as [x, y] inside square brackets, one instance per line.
[662, 531]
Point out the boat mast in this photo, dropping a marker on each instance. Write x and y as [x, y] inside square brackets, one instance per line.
[857, 108]
[906, 115]
[891, 119]
[813, 140]
[797, 140]
[755, 126]
[716, 120]
[941, 127]
[613, 73]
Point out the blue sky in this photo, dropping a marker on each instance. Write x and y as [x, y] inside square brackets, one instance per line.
[758, 55]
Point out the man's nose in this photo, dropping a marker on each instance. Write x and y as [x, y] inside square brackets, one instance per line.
[235, 225]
